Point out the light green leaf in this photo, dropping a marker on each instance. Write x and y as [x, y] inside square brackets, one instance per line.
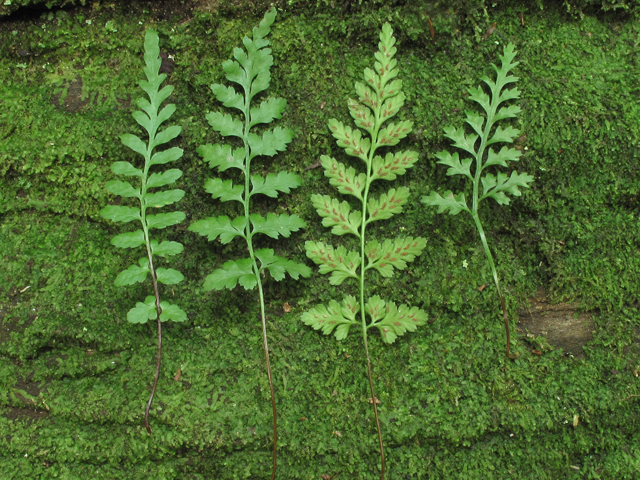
[340, 263]
[128, 240]
[271, 142]
[165, 178]
[166, 248]
[393, 165]
[163, 220]
[387, 205]
[501, 158]
[166, 136]
[272, 184]
[222, 156]
[224, 190]
[270, 109]
[338, 215]
[335, 315]
[213, 227]
[477, 95]
[504, 184]
[343, 178]
[172, 312]
[235, 73]
[511, 94]
[166, 156]
[168, 276]
[160, 199]
[393, 254]
[393, 321]
[262, 80]
[453, 162]
[507, 112]
[125, 168]
[228, 96]
[119, 213]
[232, 273]
[392, 105]
[134, 143]
[476, 121]
[349, 139]
[275, 225]
[506, 135]
[455, 204]
[465, 142]
[225, 124]
[143, 311]
[392, 134]
[124, 189]
[133, 274]
[278, 266]
[362, 116]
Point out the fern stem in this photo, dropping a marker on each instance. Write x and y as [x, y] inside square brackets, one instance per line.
[487, 252]
[256, 272]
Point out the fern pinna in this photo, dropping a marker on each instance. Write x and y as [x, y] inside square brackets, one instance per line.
[495, 187]
[150, 118]
[251, 71]
[380, 98]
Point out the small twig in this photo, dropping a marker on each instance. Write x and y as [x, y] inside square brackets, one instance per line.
[627, 398]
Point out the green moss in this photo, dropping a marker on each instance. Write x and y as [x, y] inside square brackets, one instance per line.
[70, 398]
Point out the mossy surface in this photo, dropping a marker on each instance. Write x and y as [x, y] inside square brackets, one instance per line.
[75, 375]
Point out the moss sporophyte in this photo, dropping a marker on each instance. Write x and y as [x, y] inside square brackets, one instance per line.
[251, 71]
[150, 118]
[492, 186]
[379, 99]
